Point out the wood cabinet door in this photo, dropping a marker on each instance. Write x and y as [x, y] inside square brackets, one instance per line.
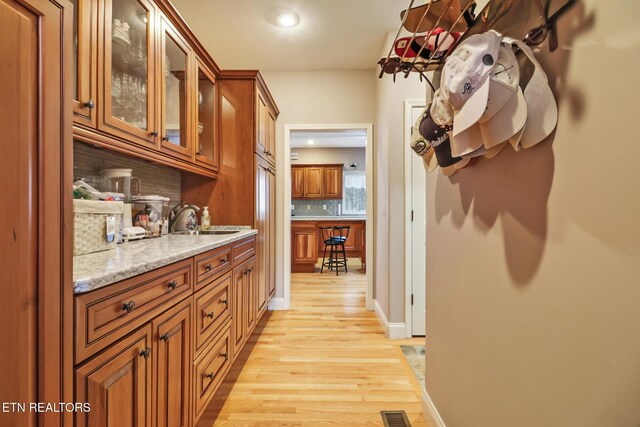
[304, 243]
[172, 366]
[251, 296]
[261, 114]
[313, 182]
[297, 182]
[205, 108]
[332, 184]
[271, 252]
[238, 326]
[127, 71]
[85, 45]
[271, 137]
[262, 225]
[175, 77]
[117, 384]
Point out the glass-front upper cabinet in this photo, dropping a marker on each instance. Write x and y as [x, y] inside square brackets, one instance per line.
[206, 141]
[175, 79]
[128, 102]
[84, 60]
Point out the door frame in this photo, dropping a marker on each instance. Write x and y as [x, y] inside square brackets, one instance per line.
[409, 105]
[285, 266]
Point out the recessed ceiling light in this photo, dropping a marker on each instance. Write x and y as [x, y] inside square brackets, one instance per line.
[287, 19]
[310, 141]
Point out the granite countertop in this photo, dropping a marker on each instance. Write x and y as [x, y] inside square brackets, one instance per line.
[330, 218]
[93, 271]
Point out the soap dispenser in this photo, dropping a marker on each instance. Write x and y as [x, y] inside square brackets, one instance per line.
[205, 221]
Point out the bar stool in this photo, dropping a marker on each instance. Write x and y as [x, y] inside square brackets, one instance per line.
[334, 237]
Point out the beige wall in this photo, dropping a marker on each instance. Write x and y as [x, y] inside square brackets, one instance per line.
[315, 97]
[533, 287]
[389, 176]
[329, 155]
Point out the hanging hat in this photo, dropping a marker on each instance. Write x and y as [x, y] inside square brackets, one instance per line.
[422, 147]
[438, 138]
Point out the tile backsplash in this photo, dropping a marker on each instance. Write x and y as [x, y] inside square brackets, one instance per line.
[154, 179]
[315, 207]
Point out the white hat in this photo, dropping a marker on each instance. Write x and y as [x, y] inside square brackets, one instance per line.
[505, 113]
[542, 110]
[421, 146]
[465, 78]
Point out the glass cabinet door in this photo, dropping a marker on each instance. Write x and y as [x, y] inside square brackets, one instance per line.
[128, 109]
[84, 60]
[206, 141]
[175, 79]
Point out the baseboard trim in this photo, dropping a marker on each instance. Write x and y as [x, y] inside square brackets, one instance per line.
[278, 304]
[394, 331]
[429, 410]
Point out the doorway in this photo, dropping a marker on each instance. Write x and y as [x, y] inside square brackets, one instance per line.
[367, 131]
[415, 227]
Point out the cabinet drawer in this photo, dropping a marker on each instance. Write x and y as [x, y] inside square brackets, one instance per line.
[213, 309]
[107, 314]
[212, 264]
[243, 250]
[210, 369]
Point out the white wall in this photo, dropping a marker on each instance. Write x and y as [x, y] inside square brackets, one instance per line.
[315, 97]
[331, 155]
[389, 159]
[533, 286]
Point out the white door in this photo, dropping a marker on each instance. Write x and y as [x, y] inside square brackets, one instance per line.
[418, 237]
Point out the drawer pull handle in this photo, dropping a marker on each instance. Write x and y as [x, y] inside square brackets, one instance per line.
[224, 355]
[249, 270]
[172, 284]
[224, 260]
[209, 375]
[224, 301]
[165, 337]
[209, 315]
[146, 352]
[129, 306]
[208, 268]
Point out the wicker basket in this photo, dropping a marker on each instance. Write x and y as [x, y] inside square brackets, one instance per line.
[90, 225]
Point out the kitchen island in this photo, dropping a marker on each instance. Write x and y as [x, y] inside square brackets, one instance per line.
[307, 245]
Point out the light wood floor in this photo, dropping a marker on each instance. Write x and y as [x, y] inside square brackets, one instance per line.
[324, 362]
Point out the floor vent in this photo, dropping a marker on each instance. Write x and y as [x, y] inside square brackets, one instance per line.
[395, 419]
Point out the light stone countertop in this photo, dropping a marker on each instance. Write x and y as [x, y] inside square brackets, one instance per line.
[329, 218]
[99, 269]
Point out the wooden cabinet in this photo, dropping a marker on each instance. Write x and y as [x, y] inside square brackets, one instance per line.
[85, 44]
[265, 223]
[304, 246]
[332, 182]
[245, 308]
[212, 307]
[35, 167]
[176, 68]
[205, 109]
[322, 182]
[143, 84]
[172, 367]
[127, 71]
[117, 384]
[265, 130]
[209, 369]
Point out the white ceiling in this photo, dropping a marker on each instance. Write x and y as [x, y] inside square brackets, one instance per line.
[332, 34]
[329, 138]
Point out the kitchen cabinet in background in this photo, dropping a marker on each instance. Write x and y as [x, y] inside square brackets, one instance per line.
[319, 182]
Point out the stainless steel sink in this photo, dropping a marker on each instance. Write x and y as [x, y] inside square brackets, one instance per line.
[205, 232]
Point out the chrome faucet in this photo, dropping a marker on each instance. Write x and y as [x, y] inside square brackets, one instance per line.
[183, 217]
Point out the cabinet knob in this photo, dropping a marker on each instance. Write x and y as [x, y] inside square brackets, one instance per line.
[208, 268]
[129, 306]
[224, 260]
[165, 337]
[209, 315]
[172, 284]
[198, 154]
[90, 104]
[165, 138]
[154, 134]
[225, 355]
[209, 375]
[146, 352]
[224, 301]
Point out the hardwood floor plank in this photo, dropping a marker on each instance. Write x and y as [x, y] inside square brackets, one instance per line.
[325, 362]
